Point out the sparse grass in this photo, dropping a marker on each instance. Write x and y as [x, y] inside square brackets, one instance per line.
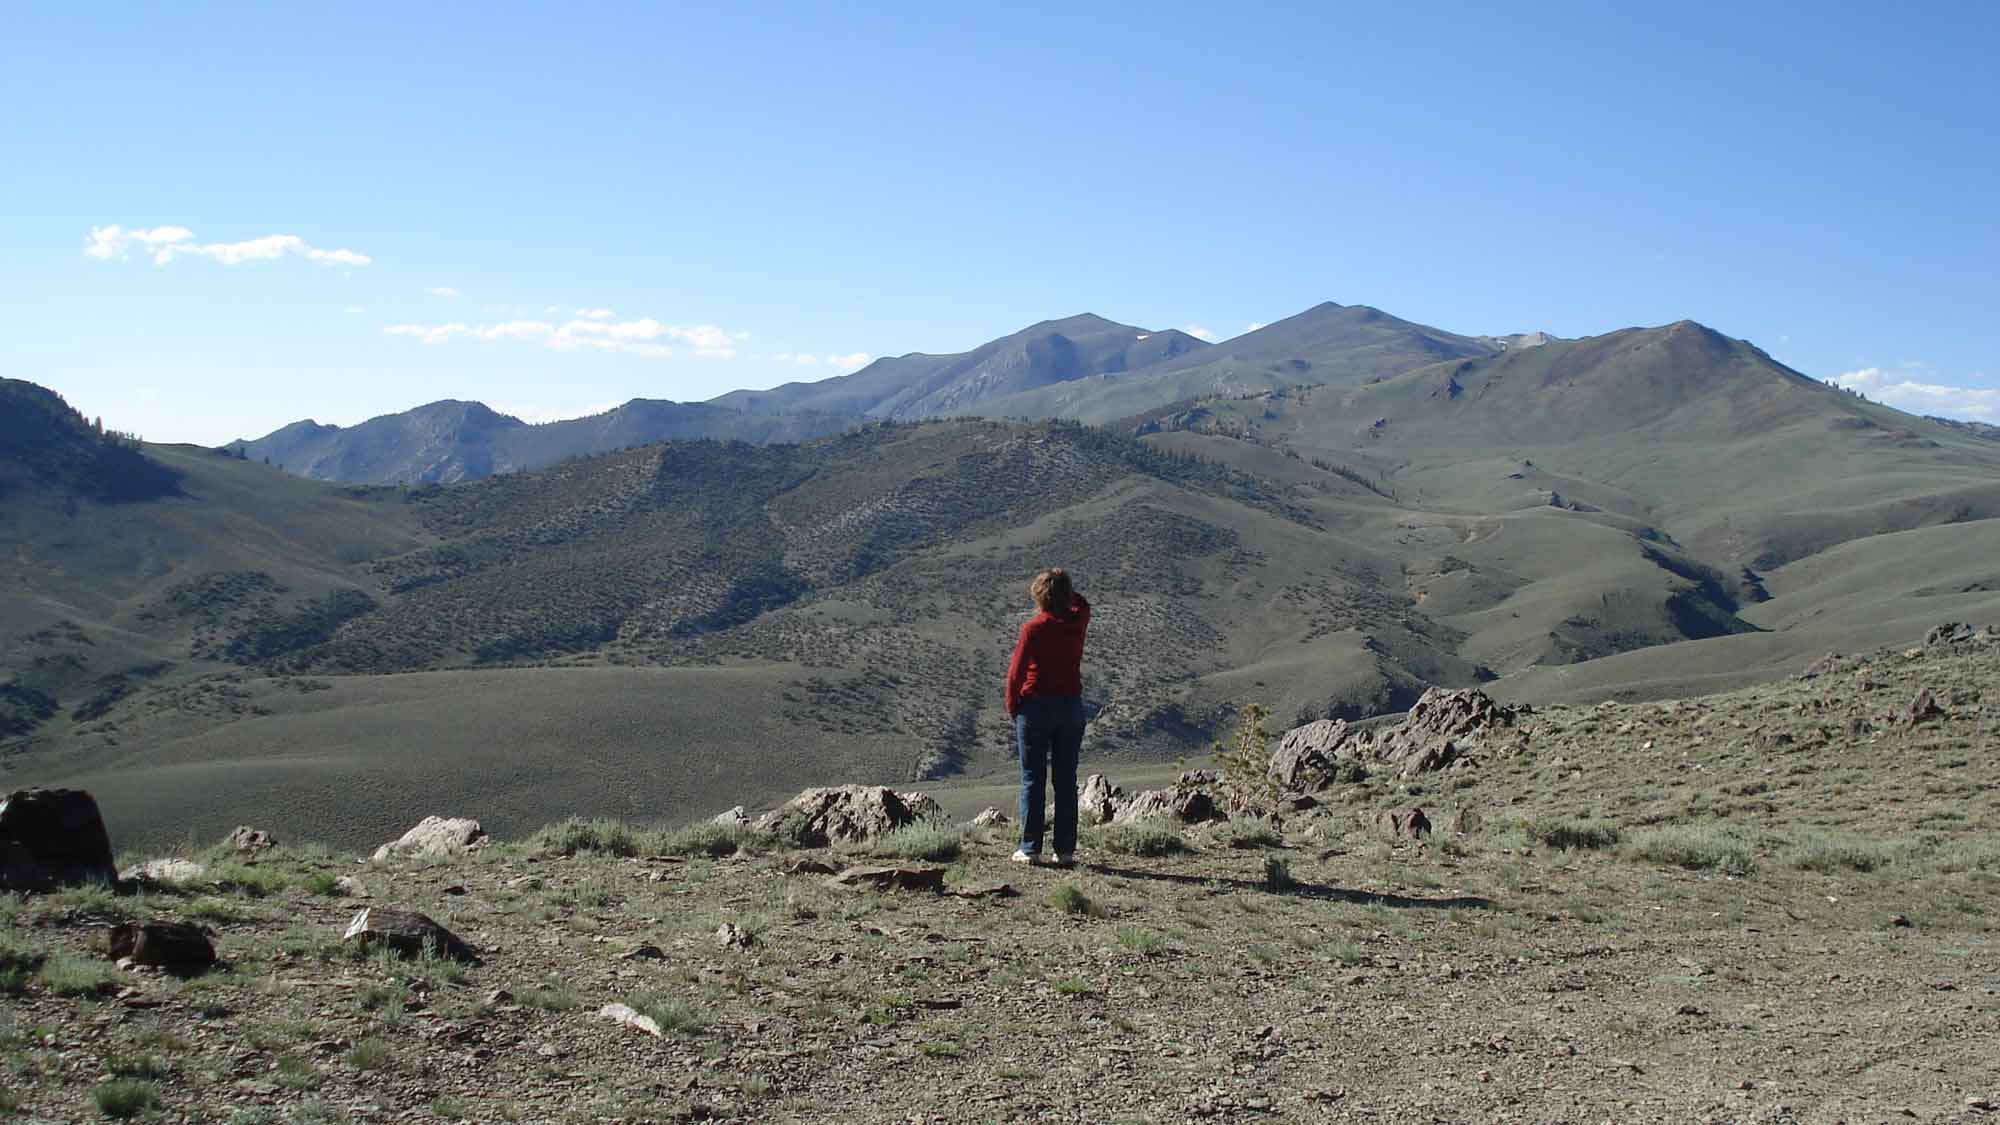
[18, 964]
[1071, 986]
[297, 1073]
[1568, 834]
[138, 1066]
[1070, 899]
[550, 998]
[1142, 941]
[1348, 952]
[1696, 847]
[926, 840]
[221, 911]
[125, 1097]
[1831, 853]
[674, 1015]
[1150, 839]
[707, 838]
[66, 974]
[257, 880]
[324, 884]
[600, 835]
[371, 1054]
[1249, 832]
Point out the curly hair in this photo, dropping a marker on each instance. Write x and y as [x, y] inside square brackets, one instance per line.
[1052, 590]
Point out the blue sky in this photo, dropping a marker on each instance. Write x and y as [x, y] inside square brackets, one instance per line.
[340, 211]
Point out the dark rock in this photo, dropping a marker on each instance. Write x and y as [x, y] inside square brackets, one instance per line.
[1948, 634]
[408, 933]
[53, 838]
[809, 867]
[1922, 709]
[248, 839]
[1199, 777]
[891, 878]
[174, 946]
[1408, 822]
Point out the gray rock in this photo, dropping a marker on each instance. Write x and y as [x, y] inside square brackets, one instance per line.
[990, 817]
[435, 837]
[1100, 800]
[842, 814]
[734, 818]
[922, 806]
[53, 838]
[407, 932]
[625, 1014]
[167, 871]
[1315, 756]
[1181, 804]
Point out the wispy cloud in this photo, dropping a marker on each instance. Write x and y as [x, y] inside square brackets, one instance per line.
[164, 244]
[1253, 326]
[1200, 333]
[1905, 392]
[444, 291]
[643, 337]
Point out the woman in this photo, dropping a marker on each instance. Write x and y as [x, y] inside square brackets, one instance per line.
[1045, 700]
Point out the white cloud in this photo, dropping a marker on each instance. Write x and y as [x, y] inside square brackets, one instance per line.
[852, 361]
[445, 291]
[1980, 404]
[1200, 333]
[166, 243]
[1253, 326]
[592, 328]
[550, 311]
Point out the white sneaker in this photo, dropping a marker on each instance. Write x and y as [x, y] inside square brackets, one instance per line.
[1022, 855]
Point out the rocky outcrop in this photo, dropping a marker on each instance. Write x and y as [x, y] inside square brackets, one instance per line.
[1408, 823]
[435, 837]
[1100, 800]
[922, 806]
[1441, 732]
[251, 840]
[734, 818]
[407, 933]
[1181, 804]
[842, 814]
[990, 817]
[174, 946]
[53, 838]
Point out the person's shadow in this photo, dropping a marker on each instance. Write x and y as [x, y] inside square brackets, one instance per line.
[1297, 889]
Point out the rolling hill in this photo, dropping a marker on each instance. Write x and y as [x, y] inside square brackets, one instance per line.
[675, 626]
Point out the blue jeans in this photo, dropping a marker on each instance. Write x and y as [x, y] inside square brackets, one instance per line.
[1048, 733]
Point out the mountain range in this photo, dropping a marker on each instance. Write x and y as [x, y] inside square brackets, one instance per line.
[1321, 517]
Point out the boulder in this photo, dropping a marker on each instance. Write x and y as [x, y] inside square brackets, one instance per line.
[1922, 709]
[990, 817]
[248, 839]
[174, 946]
[1408, 822]
[1198, 777]
[435, 837]
[53, 838]
[1182, 804]
[842, 814]
[164, 871]
[1100, 800]
[630, 1017]
[407, 933]
[1310, 758]
[922, 806]
[734, 818]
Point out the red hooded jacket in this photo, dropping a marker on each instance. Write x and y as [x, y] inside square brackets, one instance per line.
[1048, 657]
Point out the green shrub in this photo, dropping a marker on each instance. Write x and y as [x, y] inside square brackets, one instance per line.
[17, 964]
[1697, 847]
[1249, 832]
[253, 879]
[1278, 874]
[371, 1054]
[600, 835]
[66, 974]
[674, 1015]
[1070, 899]
[925, 839]
[1570, 835]
[1148, 838]
[125, 1097]
[1830, 853]
[1246, 758]
[706, 838]
[324, 884]
[1144, 942]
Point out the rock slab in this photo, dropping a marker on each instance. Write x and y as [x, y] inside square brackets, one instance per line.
[53, 838]
[817, 818]
[406, 932]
